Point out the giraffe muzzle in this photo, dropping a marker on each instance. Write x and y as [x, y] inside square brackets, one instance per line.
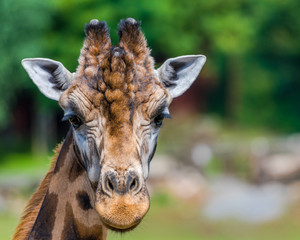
[122, 200]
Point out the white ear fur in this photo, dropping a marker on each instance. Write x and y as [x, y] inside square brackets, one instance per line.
[178, 74]
[50, 76]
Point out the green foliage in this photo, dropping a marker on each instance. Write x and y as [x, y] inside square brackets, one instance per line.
[21, 35]
[252, 47]
[183, 220]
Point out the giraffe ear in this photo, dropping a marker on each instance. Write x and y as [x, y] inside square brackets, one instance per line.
[50, 76]
[178, 74]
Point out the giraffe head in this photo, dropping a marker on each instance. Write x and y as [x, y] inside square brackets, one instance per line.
[116, 102]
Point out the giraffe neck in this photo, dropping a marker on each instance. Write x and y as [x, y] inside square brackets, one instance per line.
[67, 211]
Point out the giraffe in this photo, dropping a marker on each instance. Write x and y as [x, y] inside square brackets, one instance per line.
[115, 102]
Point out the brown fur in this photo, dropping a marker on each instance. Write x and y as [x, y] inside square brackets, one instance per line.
[75, 230]
[119, 79]
[118, 86]
[34, 204]
[51, 221]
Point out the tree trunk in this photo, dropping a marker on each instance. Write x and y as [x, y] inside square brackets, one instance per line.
[233, 88]
[43, 132]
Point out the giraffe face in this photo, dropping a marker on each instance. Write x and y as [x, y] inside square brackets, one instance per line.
[115, 127]
[116, 102]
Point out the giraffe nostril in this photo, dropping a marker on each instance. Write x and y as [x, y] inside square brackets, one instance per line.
[113, 183]
[133, 184]
[110, 185]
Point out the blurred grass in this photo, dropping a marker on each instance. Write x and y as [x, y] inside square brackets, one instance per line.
[172, 219]
[168, 217]
[13, 167]
[8, 222]
[23, 163]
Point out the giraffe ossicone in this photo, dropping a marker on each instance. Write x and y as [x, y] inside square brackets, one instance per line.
[116, 102]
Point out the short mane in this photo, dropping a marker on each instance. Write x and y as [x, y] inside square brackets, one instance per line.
[33, 206]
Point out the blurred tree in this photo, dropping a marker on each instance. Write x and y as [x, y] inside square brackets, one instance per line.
[251, 45]
[272, 78]
[21, 35]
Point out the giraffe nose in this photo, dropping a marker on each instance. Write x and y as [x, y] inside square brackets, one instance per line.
[129, 183]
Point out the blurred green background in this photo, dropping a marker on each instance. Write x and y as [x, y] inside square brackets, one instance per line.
[238, 122]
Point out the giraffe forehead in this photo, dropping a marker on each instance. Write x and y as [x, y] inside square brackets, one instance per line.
[113, 104]
[114, 79]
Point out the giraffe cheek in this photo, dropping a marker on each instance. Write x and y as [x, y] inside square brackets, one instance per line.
[93, 174]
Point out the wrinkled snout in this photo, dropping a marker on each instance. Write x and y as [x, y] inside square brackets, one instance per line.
[129, 183]
[122, 199]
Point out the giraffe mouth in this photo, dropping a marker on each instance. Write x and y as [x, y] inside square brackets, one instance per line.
[120, 229]
[122, 213]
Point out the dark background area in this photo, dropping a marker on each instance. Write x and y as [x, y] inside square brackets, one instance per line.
[232, 144]
[251, 77]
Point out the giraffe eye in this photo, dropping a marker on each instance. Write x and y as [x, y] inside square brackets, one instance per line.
[158, 120]
[75, 121]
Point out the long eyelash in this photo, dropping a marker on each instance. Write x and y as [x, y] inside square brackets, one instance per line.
[166, 115]
[66, 117]
[163, 110]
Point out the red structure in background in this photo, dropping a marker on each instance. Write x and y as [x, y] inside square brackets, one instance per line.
[195, 99]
